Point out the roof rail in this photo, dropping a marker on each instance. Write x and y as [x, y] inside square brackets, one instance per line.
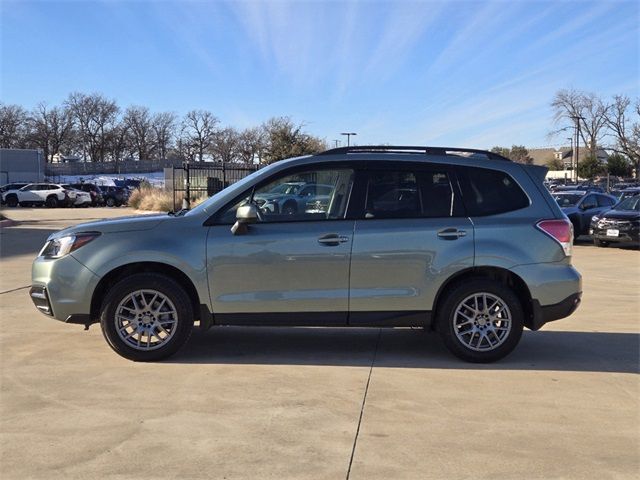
[412, 150]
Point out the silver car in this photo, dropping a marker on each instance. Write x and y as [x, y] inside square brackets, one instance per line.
[463, 242]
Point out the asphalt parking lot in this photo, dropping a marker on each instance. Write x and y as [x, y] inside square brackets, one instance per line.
[251, 403]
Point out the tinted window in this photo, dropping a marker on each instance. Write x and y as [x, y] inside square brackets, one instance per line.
[488, 192]
[589, 202]
[605, 201]
[392, 195]
[437, 194]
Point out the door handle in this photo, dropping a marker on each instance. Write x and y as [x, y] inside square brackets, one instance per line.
[332, 239]
[451, 233]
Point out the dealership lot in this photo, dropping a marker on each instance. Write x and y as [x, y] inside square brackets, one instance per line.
[288, 403]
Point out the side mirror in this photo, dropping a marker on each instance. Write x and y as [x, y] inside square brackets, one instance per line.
[244, 216]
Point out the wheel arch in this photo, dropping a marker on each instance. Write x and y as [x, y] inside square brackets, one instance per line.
[499, 274]
[122, 271]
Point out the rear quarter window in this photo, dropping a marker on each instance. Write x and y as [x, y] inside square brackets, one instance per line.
[489, 192]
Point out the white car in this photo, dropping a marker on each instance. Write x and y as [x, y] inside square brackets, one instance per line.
[49, 194]
[83, 199]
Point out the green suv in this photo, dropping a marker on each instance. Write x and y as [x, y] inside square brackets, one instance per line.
[460, 241]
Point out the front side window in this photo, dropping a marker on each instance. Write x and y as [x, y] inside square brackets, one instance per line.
[310, 195]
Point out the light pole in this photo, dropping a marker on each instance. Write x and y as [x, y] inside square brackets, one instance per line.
[336, 143]
[348, 134]
[577, 119]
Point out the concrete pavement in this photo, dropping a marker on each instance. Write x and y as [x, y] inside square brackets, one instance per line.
[251, 403]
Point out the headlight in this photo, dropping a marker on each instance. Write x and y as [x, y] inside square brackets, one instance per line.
[61, 246]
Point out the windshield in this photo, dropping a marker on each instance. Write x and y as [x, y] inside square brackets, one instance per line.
[567, 199]
[631, 203]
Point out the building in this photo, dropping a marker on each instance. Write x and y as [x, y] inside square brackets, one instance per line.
[542, 156]
[18, 165]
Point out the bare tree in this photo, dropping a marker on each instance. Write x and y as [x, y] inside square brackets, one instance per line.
[50, 129]
[120, 143]
[198, 129]
[586, 108]
[95, 115]
[625, 132]
[251, 145]
[164, 127]
[140, 126]
[225, 145]
[13, 126]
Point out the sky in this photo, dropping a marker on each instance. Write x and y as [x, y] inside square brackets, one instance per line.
[453, 73]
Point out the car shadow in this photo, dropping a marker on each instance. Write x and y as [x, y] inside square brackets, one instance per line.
[22, 241]
[406, 348]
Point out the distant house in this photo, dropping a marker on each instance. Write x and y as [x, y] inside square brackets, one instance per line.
[542, 156]
[60, 158]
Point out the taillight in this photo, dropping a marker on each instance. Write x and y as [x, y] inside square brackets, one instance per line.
[561, 231]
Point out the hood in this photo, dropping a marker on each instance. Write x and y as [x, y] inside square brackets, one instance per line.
[621, 215]
[134, 223]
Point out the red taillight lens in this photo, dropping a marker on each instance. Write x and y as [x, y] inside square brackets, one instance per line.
[561, 231]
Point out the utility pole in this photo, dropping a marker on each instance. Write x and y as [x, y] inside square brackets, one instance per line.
[572, 155]
[348, 134]
[577, 119]
[336, 143]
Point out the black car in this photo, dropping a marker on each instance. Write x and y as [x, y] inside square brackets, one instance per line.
[115, 196]
[93, 190]
[621, 224]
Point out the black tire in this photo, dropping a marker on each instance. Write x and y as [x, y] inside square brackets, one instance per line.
[600, 243]
[446, 321]
[52, 201]
[167, 287]
[12, 201]
[110, 202]
[289, 208]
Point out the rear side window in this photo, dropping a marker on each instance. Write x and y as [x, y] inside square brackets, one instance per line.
[392, 195]
[605, 201]
[489, 192]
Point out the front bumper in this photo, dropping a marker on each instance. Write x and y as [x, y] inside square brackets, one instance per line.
[62, 288]
[626, 233]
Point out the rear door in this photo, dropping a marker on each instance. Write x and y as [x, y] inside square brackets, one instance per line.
[411, 235]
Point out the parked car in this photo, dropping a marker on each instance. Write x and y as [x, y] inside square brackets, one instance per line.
[578, 188]
[292, 198]
[10, 186]
[481, 252]
[580, 206]
[629, 192]
[49, 194]
[115, 196]
[619, 225]
[83, 199]
[93, 190]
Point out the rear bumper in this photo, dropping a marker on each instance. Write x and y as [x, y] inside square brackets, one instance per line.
[549, 313]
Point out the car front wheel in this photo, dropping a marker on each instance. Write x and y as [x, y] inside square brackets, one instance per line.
[480, 321]
[146, 317]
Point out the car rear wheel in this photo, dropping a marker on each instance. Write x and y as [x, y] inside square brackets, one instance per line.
[480, 320]
[12, 201]
[110, 202]
[146, 317]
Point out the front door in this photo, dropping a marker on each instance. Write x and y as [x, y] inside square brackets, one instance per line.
[292, 265]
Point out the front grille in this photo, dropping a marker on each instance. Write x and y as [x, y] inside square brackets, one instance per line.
[40, 299]
[610, 223]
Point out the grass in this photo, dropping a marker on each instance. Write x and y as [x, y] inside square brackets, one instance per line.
[158, 200]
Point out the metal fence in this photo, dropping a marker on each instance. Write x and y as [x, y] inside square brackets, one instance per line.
[97, 168]
[193, 181]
